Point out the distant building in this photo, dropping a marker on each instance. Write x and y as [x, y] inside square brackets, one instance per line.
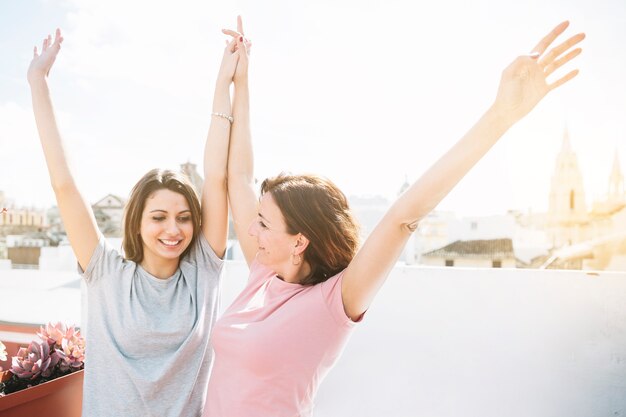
[23, 231]
[109, 212]
[605, 248]
[24, 250]
[368, 210]
[191, 171]
[492, 253]
[568, 219]
[433, 231]
[17, 220]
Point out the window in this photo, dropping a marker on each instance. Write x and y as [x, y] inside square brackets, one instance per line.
[496, 264]
[449, 262]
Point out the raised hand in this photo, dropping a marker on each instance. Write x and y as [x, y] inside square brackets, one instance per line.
[229, 62]
[524, 83]
[40, 65]
[243, 46]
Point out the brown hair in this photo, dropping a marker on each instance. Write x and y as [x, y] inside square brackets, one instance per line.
[315, 207]
[154, 180]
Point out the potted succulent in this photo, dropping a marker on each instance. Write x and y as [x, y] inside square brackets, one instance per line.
[46, 377]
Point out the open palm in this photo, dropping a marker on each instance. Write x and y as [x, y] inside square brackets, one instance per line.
[42, 62]
[524, 83]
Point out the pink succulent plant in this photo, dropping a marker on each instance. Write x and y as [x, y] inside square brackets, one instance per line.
[68, 343]
[53, 333]
[34, 361]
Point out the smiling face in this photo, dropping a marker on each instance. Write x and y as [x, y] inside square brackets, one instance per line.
[276, 245]
[166, 227]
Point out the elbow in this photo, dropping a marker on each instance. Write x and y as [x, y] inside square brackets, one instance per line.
[406, 222]
[64, 186]
[410, 226]
[215, 175]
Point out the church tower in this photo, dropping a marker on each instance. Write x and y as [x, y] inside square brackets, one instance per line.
[567, 208]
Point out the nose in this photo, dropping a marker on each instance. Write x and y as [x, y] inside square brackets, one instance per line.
[252, 229]
[172, 227]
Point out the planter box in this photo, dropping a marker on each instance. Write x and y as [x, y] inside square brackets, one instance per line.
[61, 397]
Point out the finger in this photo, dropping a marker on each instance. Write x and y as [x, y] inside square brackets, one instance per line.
[58, 39]
[239, 25]
[549, 69]
[35, 54]
[550, 37]
[563, 80]
[44, 45]
[558, 50]
[241, 45]
[232, 33]
[231, 45]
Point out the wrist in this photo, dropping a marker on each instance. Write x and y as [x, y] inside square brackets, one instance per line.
[38, 82]
[241, 83]
[499, 117]
[223, 81]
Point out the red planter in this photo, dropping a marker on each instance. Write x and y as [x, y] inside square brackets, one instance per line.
[61, 397]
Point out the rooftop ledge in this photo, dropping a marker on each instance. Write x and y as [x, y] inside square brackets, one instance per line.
[439, 341]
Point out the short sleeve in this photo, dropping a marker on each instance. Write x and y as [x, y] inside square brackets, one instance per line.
[203, 254]
[331, 294]
[105, 261]
[259, 272]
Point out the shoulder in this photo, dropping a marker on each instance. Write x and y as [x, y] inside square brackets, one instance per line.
[260, 272]
[332, 296]
[201, 253]
[105, 261]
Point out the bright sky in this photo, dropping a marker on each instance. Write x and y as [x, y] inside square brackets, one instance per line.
[364, 92]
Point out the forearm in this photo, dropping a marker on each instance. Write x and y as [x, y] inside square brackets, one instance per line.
[76, 213]
[49, 135]
[241, 189]
[216, 148]
[425, 194]
[214, 193]
[241, 158]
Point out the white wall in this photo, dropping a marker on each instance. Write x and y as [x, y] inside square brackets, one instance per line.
[444, 342]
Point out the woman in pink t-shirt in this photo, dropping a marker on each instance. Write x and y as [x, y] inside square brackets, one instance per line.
[309, 279]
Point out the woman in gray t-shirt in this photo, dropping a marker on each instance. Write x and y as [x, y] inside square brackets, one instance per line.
[151, 311]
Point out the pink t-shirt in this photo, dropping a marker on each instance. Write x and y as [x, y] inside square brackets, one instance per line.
[274, 345]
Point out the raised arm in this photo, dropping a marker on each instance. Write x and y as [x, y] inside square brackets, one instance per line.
[214, 192]
[78, 219]
[241, 191]
[522, 86]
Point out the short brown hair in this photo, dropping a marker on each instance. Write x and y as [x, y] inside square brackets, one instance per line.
[315, 207]
[154, 180]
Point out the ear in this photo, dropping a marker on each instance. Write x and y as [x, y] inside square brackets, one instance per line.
[301, 244]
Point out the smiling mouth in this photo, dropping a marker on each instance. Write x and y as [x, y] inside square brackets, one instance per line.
[170, 243]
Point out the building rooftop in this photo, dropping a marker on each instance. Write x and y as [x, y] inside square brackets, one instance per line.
[488, 248]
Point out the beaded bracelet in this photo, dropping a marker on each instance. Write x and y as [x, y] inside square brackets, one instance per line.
[225, 116]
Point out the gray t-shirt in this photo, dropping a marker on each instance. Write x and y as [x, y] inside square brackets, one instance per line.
[147, 339]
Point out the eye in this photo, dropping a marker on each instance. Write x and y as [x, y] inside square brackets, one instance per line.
[158, 218]
[184, 219]
[263, 225]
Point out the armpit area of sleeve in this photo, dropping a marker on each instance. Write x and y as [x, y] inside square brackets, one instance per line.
[331, 292]
[95, 259]
[206, 248]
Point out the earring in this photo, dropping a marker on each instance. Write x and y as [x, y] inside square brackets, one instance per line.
[296, 260]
